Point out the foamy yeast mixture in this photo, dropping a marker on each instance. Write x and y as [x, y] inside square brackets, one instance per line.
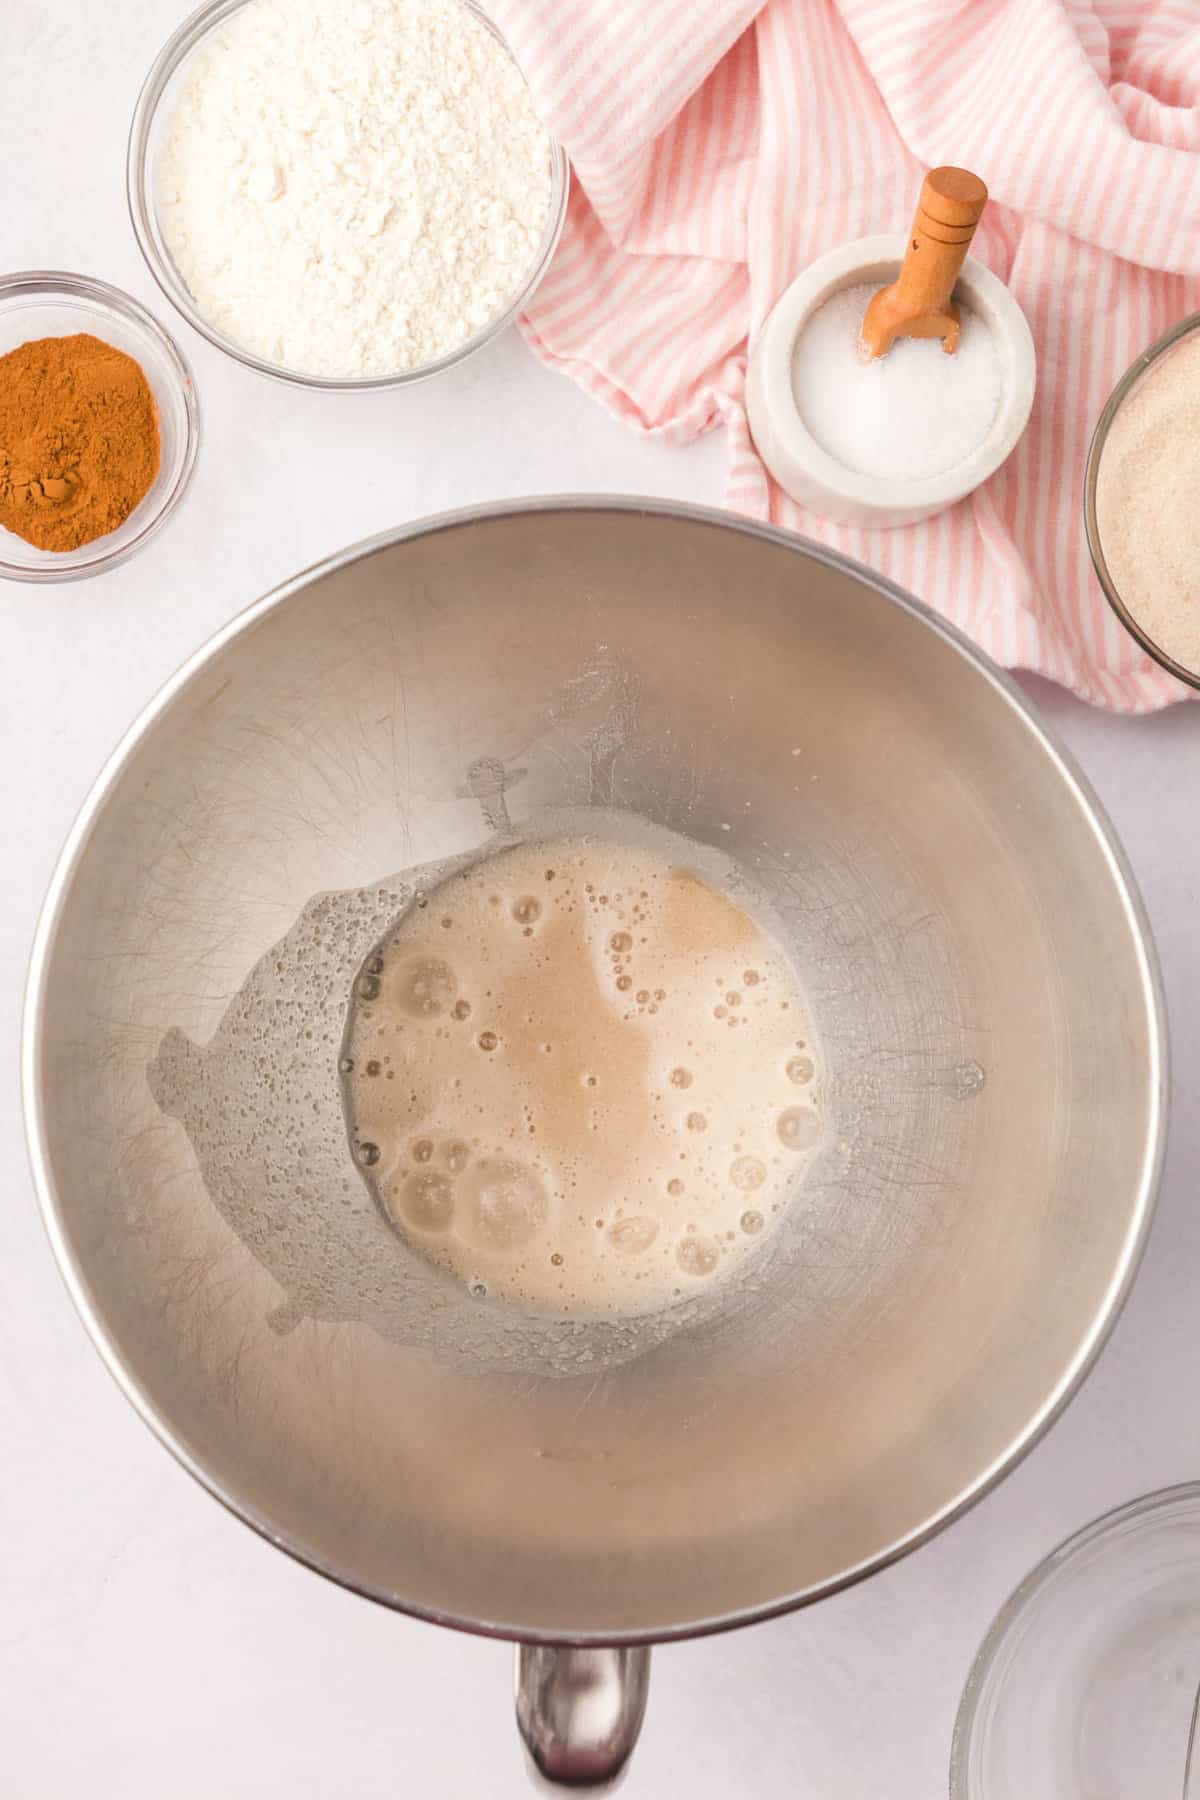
[580, 1078]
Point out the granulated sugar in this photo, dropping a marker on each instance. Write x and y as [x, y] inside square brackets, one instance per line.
[909, 415]
[1148, 503]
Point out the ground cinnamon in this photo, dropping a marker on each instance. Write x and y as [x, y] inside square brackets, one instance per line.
[79, 440]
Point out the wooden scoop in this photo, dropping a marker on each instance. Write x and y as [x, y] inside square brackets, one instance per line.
[918, 303]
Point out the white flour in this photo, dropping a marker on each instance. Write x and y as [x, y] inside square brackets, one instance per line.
[354, 187]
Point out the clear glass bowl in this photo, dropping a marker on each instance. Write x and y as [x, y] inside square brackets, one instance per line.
[147, 136]
[51, 303]
[1085, 1686]
[1129, 382]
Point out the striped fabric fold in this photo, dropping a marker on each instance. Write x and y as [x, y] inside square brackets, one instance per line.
[718, 148]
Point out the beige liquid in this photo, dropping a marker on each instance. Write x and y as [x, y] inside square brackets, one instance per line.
[581, 1078]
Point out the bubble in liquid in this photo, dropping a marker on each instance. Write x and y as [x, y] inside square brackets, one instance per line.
[624, 982]
[751, 1223]
[425, 987]
[747, 1173]
[697, 1122]
[681, 1078]
[632, 1236]
[426, 1200]
[620, 941]
[346, 1065]
[526, 910]
[969, 1078]
[374, 966]
[675, 1186]
[456, 1156]
[697, 1255]
[477, 1290]
[556, 1259]
[368, 1155]
[367, 987]
[798, 1128]
[801, 1069]
[751, 978]
[503, 1204]
[373, 1067]
[461, 1009]
[422, 1150]
[733, 998]
[487, 1040]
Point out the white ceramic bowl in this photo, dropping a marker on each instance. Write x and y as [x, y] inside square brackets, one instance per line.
[814, 477]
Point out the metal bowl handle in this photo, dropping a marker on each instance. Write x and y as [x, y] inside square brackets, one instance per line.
[580, 1711]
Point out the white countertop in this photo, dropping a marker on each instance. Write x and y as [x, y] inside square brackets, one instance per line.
[150, 1646]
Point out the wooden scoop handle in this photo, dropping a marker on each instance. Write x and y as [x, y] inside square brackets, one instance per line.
[917, 304]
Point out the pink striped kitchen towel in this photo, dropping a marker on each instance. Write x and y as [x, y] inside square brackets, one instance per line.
[720, 145]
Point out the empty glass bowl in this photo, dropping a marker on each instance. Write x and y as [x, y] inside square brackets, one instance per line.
[1085, 1686]
[147, 137]
[50, 303]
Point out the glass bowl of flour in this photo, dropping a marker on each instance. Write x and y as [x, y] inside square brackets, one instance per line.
[1140, 512]
[343, 193]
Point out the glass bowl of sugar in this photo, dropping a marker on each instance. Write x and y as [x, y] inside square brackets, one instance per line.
[1141, 500]
[343, 194]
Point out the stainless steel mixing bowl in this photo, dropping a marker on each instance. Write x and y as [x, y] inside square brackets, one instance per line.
[978, 967]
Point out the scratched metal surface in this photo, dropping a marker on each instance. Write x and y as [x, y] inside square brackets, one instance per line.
[979, 984]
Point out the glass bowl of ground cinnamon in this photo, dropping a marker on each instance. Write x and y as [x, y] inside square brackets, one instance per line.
[98, 426]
